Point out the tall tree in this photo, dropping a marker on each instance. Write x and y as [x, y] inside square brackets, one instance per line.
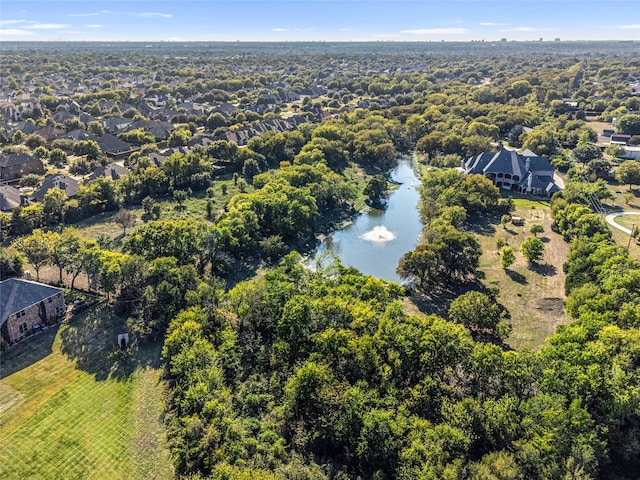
[37, 247]
[532, 249]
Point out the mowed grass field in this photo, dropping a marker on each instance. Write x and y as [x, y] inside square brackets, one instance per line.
[71, 408]
[532, 294]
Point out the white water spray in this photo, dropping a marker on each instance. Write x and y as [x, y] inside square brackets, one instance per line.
[378, 234]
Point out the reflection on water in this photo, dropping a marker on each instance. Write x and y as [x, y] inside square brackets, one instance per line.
[375, 241]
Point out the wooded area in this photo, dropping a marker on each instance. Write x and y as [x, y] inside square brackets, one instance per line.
[278, 370]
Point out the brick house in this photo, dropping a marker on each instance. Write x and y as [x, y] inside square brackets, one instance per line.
[17, 165]
[24, 303]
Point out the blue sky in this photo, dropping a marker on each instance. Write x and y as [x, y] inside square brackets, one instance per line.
[314, 20]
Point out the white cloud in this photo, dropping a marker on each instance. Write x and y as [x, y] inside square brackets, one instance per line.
[626, 27]
[10, 22]
[73, 32]
[436, 31]
[47, 26]
[388, 35]
[94, 25]
[155, 14]
[278, 29]
[492, 24]
[344, 30]
[527, 29]
[310, 29]
[15, 32]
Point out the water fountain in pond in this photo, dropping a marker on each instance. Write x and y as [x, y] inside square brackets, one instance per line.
[378, 234]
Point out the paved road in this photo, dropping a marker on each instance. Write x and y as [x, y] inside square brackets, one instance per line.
[611, 221]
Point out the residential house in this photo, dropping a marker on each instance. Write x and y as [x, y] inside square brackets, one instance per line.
[16, 165]
[69, 184]
[50, 133]
[523, 172]
[160, 130]
[10, 198]
[112, 146]
[116, 125]
[113, 171]
[23, 304]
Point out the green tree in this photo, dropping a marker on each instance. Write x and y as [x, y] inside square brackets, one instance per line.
[535, 229]
[628, 172]
[250, 169]
[507, 257]
[41, 152]
[90, 148]
[376, 189]
[54, 205]
[505, 219]
[586, 152]
[96, 128]
[180, 196]
[58, 157]
[628, 124]
[179, 137]
[65, 249]
[475, 310]
[34, 141]
[37, 248]
[532, 249]
[147, 205]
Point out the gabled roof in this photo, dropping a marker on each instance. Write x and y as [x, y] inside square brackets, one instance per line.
[506, 161]
[69, 184]
[17, 159]
[10, 198]
[17, 294]
[111, 144]
[542, 182]
[49, 133]
[539, 164]
[112, 171]
[478, 163]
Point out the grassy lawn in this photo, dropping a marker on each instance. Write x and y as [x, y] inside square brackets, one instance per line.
[532, 294]
[71, 408]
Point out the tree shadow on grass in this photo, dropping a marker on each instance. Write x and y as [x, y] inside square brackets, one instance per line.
[483, 224]
[544, 269]
[516, 277]
[436, 300]
[91, 340]
[27, 352]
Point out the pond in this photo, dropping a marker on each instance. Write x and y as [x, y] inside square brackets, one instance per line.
[375, 241]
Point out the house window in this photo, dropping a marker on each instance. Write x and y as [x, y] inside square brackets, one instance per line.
[50, 299]
[20, 314]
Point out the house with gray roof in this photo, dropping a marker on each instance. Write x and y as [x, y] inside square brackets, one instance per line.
[64, 182]
[23, 304]
[11, 198]
[113, 171]
[524, 172]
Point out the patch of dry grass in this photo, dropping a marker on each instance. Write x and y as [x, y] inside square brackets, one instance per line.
[533, 294]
